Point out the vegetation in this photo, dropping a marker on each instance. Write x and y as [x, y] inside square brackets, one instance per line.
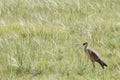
[41, 39]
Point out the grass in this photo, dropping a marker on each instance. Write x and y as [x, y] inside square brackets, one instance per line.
[40, 39]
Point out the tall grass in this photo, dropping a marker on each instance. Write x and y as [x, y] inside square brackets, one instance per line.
[40, 39]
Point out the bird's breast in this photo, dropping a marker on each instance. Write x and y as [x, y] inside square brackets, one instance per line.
[89, 55]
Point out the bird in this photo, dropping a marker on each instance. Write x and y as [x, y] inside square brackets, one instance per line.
[93, 56]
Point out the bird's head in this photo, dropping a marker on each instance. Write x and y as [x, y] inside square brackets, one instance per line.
[85, 44]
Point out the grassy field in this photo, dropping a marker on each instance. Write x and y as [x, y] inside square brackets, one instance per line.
[41, 39]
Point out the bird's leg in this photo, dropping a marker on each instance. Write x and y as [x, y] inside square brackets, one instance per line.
[93, 64]
[93, 69]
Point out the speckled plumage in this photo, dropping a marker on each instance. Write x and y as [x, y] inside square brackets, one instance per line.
[94, 57]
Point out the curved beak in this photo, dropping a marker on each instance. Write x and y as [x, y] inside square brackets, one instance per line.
[81, 46]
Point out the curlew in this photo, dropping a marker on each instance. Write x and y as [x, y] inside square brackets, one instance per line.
[94, 57]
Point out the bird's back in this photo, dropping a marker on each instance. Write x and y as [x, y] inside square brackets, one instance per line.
[92, 54]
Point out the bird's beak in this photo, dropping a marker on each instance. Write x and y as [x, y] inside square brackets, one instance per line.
[77, 44]
[81, 46]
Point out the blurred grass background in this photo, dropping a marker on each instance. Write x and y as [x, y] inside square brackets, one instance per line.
[40, 39]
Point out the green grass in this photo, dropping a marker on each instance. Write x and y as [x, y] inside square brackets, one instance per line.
[40, 39]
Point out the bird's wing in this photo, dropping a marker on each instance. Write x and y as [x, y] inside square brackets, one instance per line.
[93, 54]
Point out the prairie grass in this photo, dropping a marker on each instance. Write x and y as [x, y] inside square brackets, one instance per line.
[41, 39]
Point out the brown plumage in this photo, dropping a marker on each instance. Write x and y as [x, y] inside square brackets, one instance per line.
[93, 56]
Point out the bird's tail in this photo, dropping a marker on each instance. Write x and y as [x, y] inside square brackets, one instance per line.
[102, 63]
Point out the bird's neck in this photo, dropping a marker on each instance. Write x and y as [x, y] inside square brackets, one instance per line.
[85, 47]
